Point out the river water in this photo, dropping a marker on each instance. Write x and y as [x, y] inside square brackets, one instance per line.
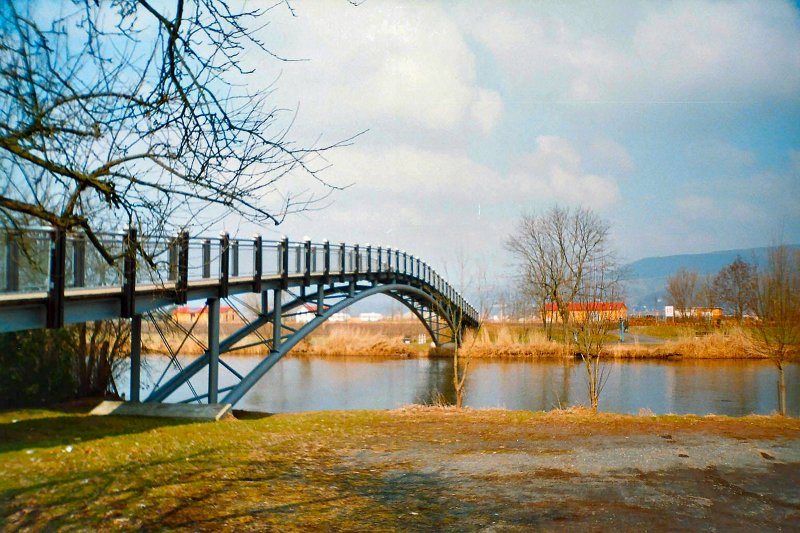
[309, 384]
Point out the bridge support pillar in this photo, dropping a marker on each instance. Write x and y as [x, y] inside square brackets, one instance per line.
[136, 357]
[320, 299]
[265, 303]
[277, 309]
[213, 349]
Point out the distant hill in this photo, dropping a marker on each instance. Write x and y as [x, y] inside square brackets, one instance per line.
[647, 278]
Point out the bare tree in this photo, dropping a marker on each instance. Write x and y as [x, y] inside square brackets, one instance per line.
[467, 279]
[553, 251]
[596, 309]
[461, 360]
[102, 348]
[735, 287]
[55, 365]
[682, 290]
[777, 305]
[140, 112]
[706, 294]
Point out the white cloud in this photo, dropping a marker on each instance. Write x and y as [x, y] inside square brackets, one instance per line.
[486, 110]
[553, 171]
[405, 169]
[728, 50]
[696, 207]
[761, 200]
[660, 51]
[421, 200]
[719, 154]
[612, 155]
[441, 138]
[385, 64]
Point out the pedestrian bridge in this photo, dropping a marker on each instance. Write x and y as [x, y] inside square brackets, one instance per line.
[50, 278]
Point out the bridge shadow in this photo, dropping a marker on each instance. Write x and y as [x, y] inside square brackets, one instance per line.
[71, 428]
[243, 414]
[151, 487]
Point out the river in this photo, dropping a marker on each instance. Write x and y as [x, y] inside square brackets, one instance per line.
[701, 387]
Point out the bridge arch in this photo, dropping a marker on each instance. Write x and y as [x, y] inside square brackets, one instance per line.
[393, 290]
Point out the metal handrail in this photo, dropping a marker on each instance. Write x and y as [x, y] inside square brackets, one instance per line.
[70, 262]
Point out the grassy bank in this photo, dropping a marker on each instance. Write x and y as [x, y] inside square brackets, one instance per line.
[517, 341]
[386, 339]
[413, 468]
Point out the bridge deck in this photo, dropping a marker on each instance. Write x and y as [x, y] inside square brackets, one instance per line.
[28, 310]
[73, 295]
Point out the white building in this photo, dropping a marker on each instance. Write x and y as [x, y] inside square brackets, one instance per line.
[341, 316]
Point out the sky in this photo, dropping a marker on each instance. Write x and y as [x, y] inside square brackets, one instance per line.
[678, 122]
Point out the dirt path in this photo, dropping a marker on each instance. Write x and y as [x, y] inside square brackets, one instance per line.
[634, 338]
[598, 475]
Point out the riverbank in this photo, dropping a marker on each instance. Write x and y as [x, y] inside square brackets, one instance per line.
[402, 339]
[414, 468]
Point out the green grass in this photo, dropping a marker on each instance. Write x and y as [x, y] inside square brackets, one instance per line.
[79, 472]
[665, 331]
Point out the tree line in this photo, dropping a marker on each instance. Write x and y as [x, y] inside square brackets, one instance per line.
[767, 295]
[567, 265]
[733, 288]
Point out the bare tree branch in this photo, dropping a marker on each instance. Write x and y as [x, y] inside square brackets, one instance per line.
[135, 111]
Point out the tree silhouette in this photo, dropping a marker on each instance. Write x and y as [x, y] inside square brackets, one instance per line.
[143, 113]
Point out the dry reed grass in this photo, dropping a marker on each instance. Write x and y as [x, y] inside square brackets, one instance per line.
[355, 341]
[491, 341]
[734, 343]
[505, 341]
[349, 341]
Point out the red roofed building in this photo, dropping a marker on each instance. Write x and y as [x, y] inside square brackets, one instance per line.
[580, 312]
[189, 314]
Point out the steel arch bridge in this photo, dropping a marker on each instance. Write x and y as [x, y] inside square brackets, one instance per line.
[49, 278]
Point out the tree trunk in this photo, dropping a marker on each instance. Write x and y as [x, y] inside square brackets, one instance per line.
[781, 390]
[548, 327]
[456, 381]
[591, 371]
[593, 389]
[83, 379]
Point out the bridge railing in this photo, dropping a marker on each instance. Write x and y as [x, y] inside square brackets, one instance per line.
[37, 260]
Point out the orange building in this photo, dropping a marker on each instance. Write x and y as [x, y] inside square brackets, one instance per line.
[611, 311]
[189, 314]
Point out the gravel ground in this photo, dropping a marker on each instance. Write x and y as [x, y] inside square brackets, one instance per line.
[595, 478]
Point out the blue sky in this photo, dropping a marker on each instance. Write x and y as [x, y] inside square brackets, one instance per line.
[679, 122]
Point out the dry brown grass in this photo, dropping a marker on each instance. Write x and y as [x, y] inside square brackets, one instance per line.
[355, 341]
[376, 340]
[734, 343]
[385, 339]
[510, 341]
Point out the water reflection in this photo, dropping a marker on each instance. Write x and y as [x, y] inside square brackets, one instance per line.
[308, 384]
